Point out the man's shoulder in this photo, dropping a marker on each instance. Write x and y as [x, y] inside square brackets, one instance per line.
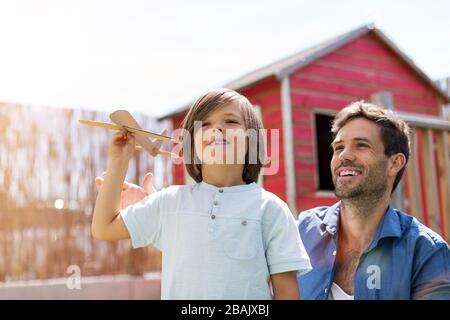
[310, 221]
[424, 238]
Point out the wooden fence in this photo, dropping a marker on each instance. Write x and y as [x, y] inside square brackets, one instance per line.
[45, 155]
[426, 182]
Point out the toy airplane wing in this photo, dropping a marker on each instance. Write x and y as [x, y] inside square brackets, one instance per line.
[124, 120]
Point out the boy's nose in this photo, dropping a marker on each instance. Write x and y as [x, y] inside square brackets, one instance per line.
[218, 127]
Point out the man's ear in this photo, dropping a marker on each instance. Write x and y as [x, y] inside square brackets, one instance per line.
[396, 163]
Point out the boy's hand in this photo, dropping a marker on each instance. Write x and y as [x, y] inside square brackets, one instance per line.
[122, 147]
[132, 193]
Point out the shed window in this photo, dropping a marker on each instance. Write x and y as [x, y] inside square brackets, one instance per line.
[324, 151]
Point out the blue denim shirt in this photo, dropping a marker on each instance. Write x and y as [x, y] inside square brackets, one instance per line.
[405, 260]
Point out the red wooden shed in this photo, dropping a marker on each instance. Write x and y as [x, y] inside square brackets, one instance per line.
[300, 94]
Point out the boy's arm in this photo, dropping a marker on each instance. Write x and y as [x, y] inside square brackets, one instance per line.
[107, 223]
[284, 286]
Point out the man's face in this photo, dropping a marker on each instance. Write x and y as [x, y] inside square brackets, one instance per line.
[359, 165]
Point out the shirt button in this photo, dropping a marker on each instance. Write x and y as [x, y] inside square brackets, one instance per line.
[334, 252]
[215, 203]
[244, 223]
[213, 216]
[326, 290]
[221, 190]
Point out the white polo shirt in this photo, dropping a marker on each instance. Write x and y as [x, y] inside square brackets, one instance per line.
[217, 243]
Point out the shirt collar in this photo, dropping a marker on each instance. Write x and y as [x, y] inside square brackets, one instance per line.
[389, 225]
[331, 219]
[238, 188]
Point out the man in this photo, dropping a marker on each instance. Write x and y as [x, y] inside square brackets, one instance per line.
[361, 247]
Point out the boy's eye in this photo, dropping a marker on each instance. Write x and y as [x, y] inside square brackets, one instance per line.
[232, 121]
[205, 124]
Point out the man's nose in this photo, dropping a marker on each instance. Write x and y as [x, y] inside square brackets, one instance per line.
[346, 155]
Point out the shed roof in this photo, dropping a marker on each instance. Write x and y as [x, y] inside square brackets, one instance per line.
[290, 64]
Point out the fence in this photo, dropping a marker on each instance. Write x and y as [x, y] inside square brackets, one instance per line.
[47, 161]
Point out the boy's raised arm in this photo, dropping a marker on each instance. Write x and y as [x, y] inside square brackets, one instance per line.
[107, 223]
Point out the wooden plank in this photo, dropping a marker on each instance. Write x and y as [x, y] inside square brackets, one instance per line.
[369, 46]
[389, 59]
[349, 93]
[276, 185]
[288, 151]
[409, 77]
[306, 202]
[424, 121]
[325, 86]
[413, 178]
[418, 101]
[378, 65]
[438, 185]
[272, 117]
[394, 80]
[322, 102]
[358, 90]
[272, 99]
[406, 191]
[430, 184]
[422, 185]
[303, 134]
[443, 170]
[178, 175]
[322, 69]
[255, 91]
[372, 86]
[306, 149]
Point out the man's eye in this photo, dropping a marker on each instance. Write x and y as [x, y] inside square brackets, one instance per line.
[362, 145]
[338, 148]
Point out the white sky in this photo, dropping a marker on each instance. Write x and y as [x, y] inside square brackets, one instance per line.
[153, 56]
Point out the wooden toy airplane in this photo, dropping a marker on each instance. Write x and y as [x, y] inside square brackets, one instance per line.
[124, 120]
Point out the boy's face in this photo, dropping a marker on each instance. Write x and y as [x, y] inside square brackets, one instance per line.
[221, 138]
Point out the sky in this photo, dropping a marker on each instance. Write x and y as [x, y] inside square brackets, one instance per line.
[155, 56]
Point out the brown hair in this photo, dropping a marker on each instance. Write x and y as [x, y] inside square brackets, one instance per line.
[201, 108]
[394, 131]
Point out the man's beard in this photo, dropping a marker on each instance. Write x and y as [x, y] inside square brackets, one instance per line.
[372, 187]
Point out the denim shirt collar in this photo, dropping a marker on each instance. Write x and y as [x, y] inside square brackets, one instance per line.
[330, 221]
[389, 225]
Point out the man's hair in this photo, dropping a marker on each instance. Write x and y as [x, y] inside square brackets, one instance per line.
[201, 108]
[394, 131]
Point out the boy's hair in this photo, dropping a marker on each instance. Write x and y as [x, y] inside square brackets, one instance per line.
[394, 131]
[201, 108]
